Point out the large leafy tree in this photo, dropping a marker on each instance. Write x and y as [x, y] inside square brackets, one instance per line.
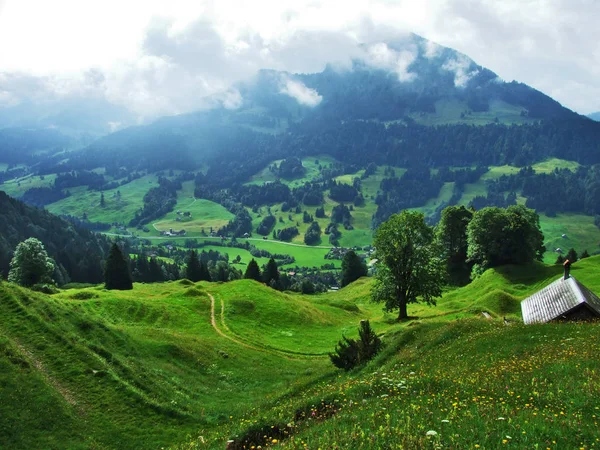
[500, 236]
[117, 274]
[451, 234]
[253, 271]
[353, 267]
[30, 264]
[408, 268]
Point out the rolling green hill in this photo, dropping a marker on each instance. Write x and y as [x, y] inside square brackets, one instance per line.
[195, 365]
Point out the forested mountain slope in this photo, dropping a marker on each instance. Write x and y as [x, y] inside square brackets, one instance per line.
[79, 251]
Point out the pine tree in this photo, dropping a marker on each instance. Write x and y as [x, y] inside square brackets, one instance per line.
[204, 272]
[353, 268]
[102, 202]
[584, 254]
[142, 268]
[560, 260]
[116, 270]
[572, 256]
[271, 274]
[253, 271]
[155, 273]
[193, 270]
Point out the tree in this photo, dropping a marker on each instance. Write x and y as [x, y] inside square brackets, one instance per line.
[271, 273]
[253, 271]
[102, 201]
[584, 254]
[353, 267]
[572, 255]
[560, 260]
[350, 353]
[313, 234]
[193, 269]
[116, 270]
[451, 234]
[408, 266]
[31, 264]
[500, 236]
[155, 273]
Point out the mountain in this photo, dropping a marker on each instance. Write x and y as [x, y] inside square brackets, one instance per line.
[80, 252]
[410, 91]
[595, 116]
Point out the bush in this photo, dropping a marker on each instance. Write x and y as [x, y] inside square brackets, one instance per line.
[350, 353]
[45, 288]
[84, 295]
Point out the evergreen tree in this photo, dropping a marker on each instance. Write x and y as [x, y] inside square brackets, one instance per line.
[155, 273]
[116, 270]
[584, 254]
[102, 201]
[353, 267]
[572, 255]
[271, 274]
[204, 272]
[142, 270]
[193, 270]
[560, 260]
[253, 271]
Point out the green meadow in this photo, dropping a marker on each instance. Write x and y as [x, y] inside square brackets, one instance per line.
[189, 365]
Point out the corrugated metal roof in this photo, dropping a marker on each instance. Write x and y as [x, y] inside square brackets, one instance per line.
[557, 299]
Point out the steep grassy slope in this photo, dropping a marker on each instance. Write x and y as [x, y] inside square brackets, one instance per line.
[160, 366]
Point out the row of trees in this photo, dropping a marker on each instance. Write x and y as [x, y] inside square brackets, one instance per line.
[414, 260]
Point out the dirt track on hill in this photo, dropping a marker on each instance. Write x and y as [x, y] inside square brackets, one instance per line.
[274, 352]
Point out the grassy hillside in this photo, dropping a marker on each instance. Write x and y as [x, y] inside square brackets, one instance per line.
[154, 367]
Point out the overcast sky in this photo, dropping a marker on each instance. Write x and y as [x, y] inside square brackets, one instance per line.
[164, 57]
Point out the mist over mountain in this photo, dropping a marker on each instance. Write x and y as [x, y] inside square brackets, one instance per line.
[389, 88]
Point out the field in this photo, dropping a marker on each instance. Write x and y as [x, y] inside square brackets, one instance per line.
[204, 213]
[311, 166]
[118, 209]
[582, 234]
[192, 366]
[17, 187]
[455, 111]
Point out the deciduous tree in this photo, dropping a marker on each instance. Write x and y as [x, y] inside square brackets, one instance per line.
[409, 268]
[30, 264]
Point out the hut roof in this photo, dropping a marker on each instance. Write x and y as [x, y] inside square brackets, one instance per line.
[557, 299]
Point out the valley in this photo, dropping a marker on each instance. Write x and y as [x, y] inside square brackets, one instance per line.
[199, 217]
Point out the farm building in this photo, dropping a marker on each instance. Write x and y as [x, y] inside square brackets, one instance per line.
[565, 299]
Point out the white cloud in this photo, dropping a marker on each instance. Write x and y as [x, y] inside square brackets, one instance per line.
[382, 57]
[160, 57]
[461, 66]
[303, 95]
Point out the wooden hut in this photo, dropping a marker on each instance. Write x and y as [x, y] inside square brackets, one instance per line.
[566, 299]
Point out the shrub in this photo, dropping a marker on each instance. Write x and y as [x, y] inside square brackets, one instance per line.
[350, 353]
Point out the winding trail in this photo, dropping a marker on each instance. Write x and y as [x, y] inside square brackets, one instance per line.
[281, 353]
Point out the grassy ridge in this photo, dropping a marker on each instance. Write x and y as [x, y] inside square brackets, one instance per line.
[145, 368]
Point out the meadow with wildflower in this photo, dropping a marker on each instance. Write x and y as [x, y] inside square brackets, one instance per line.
[211, 365]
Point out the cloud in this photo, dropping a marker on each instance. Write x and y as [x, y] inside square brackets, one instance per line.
[461, 66]
[157, 60]
[382, 57]
[303, 95]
